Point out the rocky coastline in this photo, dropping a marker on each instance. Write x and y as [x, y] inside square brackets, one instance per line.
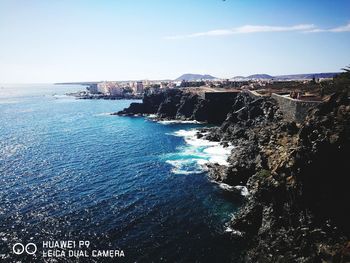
[298, 208]
[84, 95]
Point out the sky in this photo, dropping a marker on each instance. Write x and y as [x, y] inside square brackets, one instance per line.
[82, 40]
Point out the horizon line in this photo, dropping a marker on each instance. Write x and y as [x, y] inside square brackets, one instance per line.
[165, 79]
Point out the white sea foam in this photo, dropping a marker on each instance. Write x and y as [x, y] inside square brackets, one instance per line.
[184, 166]
[197, 152]
[219, 154]
[229, 229]
[244, 190]
[225, 186]
[186, 133]
[193, 157]
[60, 96]
[190, 136]
[238, 188]
[166, 122]
[233, 231]
[214, 151]
[104, 114]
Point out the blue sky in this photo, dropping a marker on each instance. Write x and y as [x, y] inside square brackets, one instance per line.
[63, 40]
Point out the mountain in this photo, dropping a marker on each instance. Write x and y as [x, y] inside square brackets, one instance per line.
[259, 76]
[192, 77]
[237, 77]
[289, 77]
[307, 76]
[255, 76]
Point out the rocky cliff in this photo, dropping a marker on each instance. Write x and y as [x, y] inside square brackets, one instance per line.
[176, 104]
[297, 176]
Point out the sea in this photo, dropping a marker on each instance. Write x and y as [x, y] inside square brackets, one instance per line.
[71, 171]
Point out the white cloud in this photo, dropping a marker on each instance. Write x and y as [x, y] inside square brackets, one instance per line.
[256, 29]
[338, 29]
[345, 28]
[249, 29]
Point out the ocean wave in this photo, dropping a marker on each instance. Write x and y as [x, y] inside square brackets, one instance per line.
[166, 122]
[233, 231]
[184, 166]
[214, 151]
[60, 96]
[103, 114]
[151, 116]
[193, 157]
[219, 154]
[238, 188]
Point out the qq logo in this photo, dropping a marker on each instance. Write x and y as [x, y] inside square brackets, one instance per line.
[19, 248]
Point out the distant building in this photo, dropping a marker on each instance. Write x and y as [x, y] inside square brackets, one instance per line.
[146, 83]
[109, 88]
[171, 85]
[132, 85]
[92, 88]
[115, 91]
[137, 87]
[163, 85]
[177, 83]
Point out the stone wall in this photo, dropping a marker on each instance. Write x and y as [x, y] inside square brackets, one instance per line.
[253, 94]
[293, 109]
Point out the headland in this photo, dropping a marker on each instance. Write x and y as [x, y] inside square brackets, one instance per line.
[291, 153]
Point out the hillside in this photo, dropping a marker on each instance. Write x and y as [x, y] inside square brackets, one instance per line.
[192, 77]
[260, 76]
[289, 77]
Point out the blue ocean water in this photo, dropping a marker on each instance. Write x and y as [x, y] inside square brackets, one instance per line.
[71, 171]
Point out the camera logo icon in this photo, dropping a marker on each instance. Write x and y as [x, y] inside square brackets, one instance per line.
[29, 248]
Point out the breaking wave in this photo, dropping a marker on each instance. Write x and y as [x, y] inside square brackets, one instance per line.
[192, 157]
[166, 122]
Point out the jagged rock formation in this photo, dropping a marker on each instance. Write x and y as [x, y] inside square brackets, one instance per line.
[297, 210]
[176, 104]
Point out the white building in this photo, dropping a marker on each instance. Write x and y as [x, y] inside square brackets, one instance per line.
[109, 88]
[92, 88]
[137, 87]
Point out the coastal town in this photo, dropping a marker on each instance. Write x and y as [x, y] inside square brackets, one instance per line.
[295, 94]
[299, 85]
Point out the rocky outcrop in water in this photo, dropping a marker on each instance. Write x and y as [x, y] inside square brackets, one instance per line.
[176, 104]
